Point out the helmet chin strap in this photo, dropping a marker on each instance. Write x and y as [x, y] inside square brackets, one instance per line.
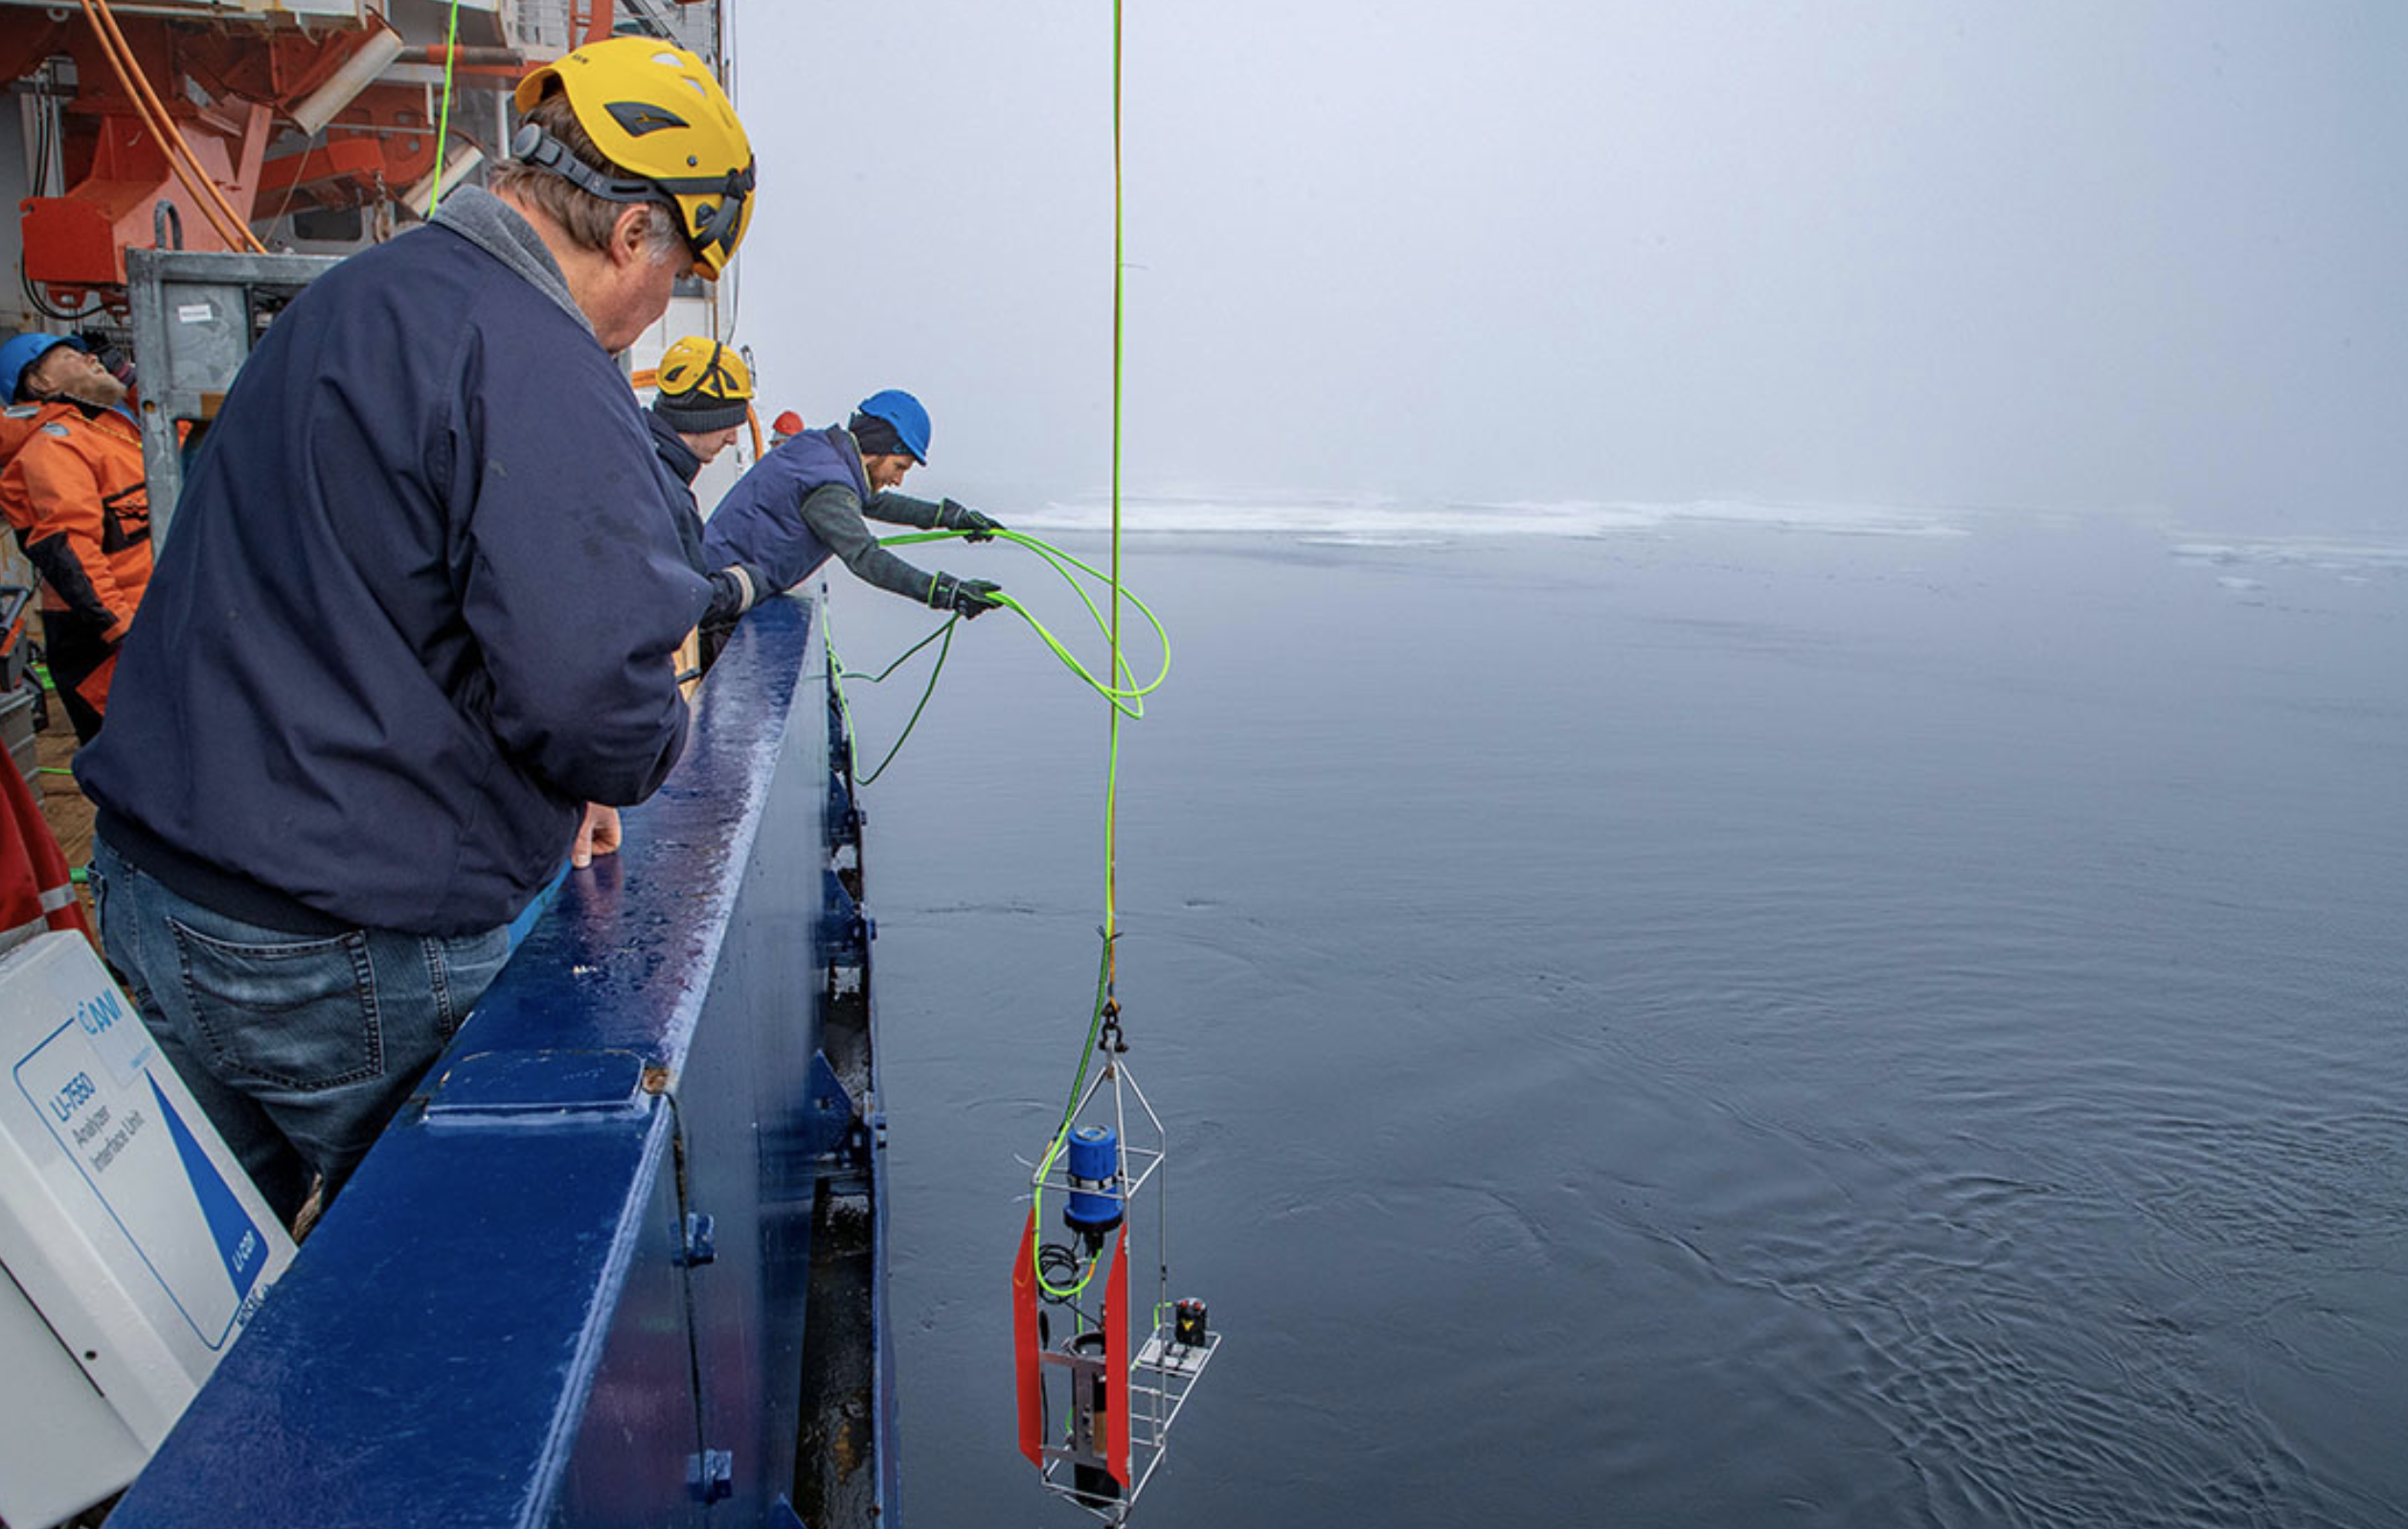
[539, 148]
[719, 221]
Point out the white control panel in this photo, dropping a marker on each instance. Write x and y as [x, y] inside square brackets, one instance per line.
[135, 1248]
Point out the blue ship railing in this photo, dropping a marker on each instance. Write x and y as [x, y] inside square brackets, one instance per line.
[621, 1263]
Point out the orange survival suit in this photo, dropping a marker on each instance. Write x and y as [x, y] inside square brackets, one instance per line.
[75, 493]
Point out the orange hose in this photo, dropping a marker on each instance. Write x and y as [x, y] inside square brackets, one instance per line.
[171, 143]
[230, 224]
[209, 185]
[142, 107]
[137, 87]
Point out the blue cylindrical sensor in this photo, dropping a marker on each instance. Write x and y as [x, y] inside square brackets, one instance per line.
[1095, 1173]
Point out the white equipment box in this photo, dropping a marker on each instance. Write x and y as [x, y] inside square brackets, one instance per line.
[133, 1246]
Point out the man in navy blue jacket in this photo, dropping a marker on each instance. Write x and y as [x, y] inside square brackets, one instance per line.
[415, 611]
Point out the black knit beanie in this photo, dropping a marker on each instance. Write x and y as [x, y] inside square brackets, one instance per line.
[698, 414]
[875, 437]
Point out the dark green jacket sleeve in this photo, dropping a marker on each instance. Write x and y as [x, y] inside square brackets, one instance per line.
[834, 513]
[902, 510]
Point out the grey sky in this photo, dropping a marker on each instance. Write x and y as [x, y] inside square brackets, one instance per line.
[2145, 255]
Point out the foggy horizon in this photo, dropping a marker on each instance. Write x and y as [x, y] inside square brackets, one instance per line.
[2143, 259]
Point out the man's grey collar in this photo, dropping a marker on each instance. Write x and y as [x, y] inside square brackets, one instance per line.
[496, 227]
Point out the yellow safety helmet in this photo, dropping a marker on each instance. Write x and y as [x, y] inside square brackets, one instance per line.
[704, 368]
[704, 386]
[656, 113]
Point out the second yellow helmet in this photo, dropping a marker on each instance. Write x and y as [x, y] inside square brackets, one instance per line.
[704, 385]
[655, 112]
[698, 365]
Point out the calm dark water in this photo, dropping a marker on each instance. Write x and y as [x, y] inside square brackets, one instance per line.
[1706, 1026]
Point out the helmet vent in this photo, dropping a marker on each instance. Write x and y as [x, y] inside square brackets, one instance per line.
[638, 116]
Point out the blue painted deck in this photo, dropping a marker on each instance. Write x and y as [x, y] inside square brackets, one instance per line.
[509, 1318]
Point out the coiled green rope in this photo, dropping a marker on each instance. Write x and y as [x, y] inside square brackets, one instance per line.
[1126, 695]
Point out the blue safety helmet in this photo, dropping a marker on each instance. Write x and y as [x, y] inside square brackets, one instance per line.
[903, 412]
[19, 356]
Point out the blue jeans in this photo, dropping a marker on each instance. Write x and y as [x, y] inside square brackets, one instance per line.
[299, 1047]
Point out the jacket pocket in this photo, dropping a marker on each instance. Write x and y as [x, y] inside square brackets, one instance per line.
[125, 518]
[300, 1013]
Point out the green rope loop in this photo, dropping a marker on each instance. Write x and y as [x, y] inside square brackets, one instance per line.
[1126, 695]
[838, 675]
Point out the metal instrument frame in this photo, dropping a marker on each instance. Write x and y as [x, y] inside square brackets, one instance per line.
[1161, 1371]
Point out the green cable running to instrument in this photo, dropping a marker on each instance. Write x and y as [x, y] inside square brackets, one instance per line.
[1106, 1012]
[1105, 1445]
[1126, 697]
[837, 675]
[1122, 700]
[442, 120]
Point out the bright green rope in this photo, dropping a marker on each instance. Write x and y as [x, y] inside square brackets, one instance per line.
[1126, 695]
[1112, 768]
[442, 124]
[1121, 704]
[1123, 695]
[1061, 1138]
[837, 675]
